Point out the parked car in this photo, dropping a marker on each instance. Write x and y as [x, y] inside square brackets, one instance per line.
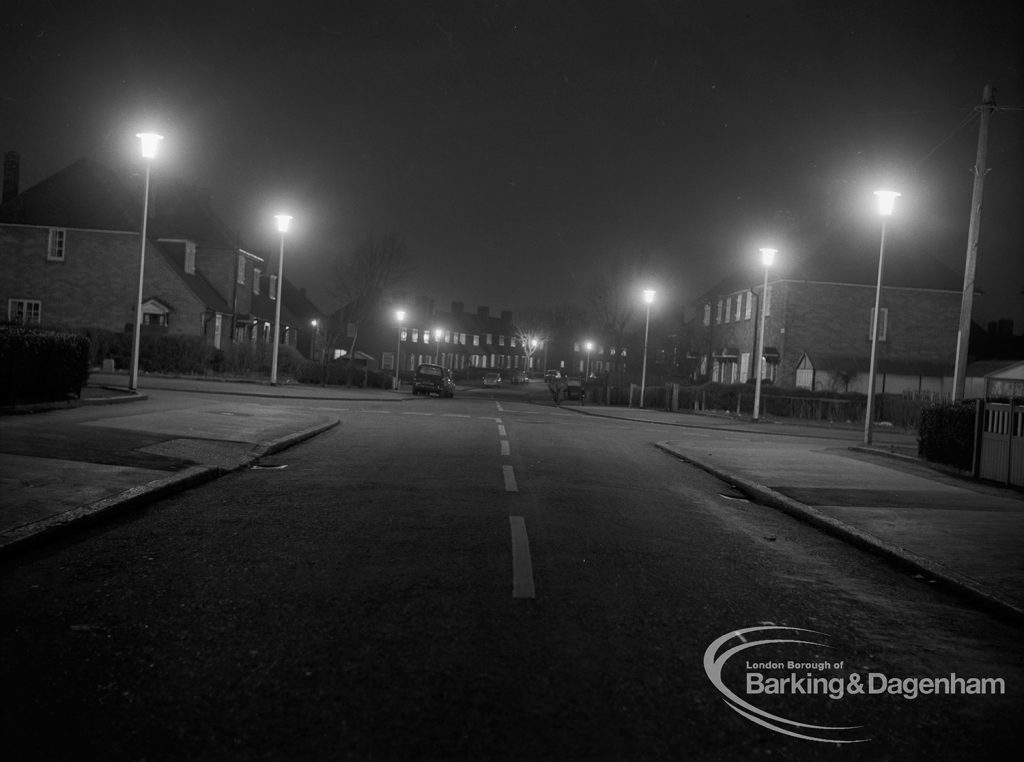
[574, 389]
[492, 379]
[552, 375]
[520, 377]
[433, 379]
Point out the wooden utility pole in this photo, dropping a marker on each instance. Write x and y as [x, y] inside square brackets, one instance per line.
[988, 105]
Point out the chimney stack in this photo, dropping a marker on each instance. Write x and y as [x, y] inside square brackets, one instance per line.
[12, 167]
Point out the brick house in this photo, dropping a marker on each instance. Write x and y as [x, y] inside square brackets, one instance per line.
[818, 321]
[69, 257]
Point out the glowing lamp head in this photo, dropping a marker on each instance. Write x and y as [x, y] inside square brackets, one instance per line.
[648, 295]
[438, 333]
[886, 201]
[283, 222]
[768, 256]
[312, 323]
[590, 345]
[400, 314]
[150, 141]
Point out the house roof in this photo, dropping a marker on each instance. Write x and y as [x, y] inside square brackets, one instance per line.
[995, 369]
[85, 194]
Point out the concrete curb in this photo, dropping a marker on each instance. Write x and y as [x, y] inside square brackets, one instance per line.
[960, 584]
[24, 538]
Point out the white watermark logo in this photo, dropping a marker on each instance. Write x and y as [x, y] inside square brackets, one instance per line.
[819, 677]
[714, 662]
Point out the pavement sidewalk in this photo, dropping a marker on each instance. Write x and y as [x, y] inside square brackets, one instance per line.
[964, 534]
[67, 464]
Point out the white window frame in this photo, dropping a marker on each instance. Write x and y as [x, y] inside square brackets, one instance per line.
[25, 307]
[739, 307]
[750, 305]
[256, 280]
[728, 309]
[57, 245]
[707, 314]
[240, 275]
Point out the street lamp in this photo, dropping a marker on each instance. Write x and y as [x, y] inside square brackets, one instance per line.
[283, 221]
[886, 201]
[767, 257]
[150, 141]
[648, 298]
[438, 333]
[590, 346]
[400, 316]
[312, 340]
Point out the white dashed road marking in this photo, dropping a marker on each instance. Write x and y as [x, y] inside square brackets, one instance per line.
[501, 431]
[522, 566]
[510, 479]
[504, 447]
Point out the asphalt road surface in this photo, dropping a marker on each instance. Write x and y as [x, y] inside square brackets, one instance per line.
[482, 578]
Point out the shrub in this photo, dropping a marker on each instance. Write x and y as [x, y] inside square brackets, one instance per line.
[946, 434]
[41, 366]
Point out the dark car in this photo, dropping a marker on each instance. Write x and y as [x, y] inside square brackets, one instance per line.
[433, 379]
[574, 389]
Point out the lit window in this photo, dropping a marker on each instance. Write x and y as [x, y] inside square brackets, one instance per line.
[728, 309]
[718, 312]
[415, 335]
[501, 341]
[256, 281]
[55, 246]
[405, 334]
[476, 340]
[447, 337]
[24, 311]
[739, 306]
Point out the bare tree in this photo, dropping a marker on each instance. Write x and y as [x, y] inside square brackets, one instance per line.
[359, 282]
[533, 329]
[612, 294]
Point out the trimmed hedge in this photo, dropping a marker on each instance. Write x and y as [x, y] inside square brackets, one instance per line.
[946, 434]
[41, 366]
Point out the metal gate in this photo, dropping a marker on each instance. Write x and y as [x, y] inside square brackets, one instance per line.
[1002, 444]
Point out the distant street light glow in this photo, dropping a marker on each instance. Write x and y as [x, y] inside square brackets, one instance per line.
[400, 317]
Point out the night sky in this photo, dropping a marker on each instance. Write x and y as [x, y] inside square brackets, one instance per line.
[518, 146]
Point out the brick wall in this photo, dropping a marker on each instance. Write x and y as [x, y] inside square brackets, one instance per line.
[96, 284]
[835, 318]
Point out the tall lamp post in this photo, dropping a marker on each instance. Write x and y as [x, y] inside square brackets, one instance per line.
[767, 257]
[438, 333]
[150, 141]
[590, 347]
[886, 201]
[283, 221]
[400, 317]
[648, 299]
